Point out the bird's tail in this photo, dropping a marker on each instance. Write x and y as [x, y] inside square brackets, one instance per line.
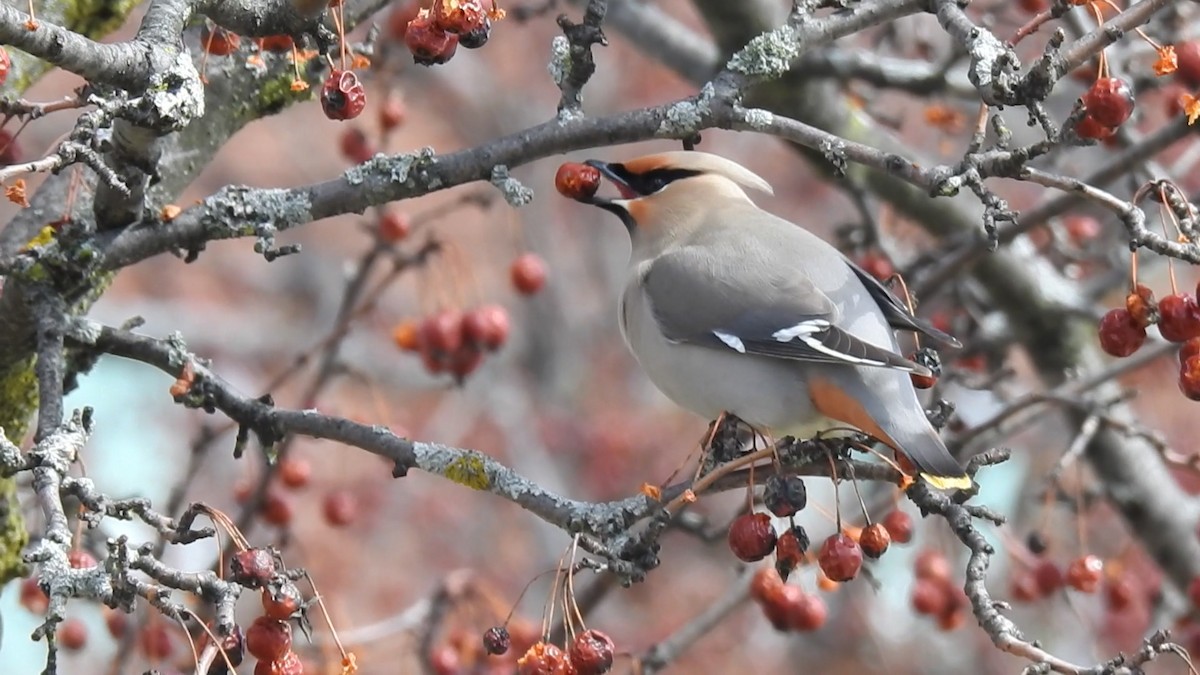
[933, 461]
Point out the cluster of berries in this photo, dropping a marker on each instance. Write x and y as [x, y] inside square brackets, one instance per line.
[591, 652]
[451, 341]
[434, 34]
[1123, 330]
[1106, 106]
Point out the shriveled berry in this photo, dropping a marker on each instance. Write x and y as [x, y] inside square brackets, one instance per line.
[807, 612]
[751, 537]
[5, 65]
[281, 601]
[486, 327]
[343, 96]
[591, 652]
[1109, 101]
[218, 41]
[478, 37]
[933, 565]
[765, 581]
[1189, 378]
[252, 568]
[1141, 306]
[577, 181]
[1049, 577]
[543, 658]
[288, 664]
[429, 43]
[268, 639]
[789, 550]
[72, 634]
[1188, 63]
[340, 508]
[874, 540]
[459, 16]
[785, 495]
[929, 597]
[295, 472]
[899, 525]
[528, 273]
[1179, 317]
[1089, 128]
[496, 640]
[1119, 333]
[840, 557]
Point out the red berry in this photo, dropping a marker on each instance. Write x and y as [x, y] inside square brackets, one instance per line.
[268, 639]
[295, 472]
[1188, 350]
[496, 640]
[751, 537]
[218, 41]
[543, 659]
[1087, 127]
[765, 582]
[1179, 318]
[899, 525]
[80, 559]
[459, 16]
[354, 145]
[288, 664]
[1189, 378]
[486, 327]
[1082, 228]
[840, 557]
[464, 362]
[778, 603]
[393, 113]
[877, 265]
[343, 97]
[577, 181]
[1024, 586]
[442, 332]
[952, 620]
[397, 21]
[155, 642]
[1109, 101]
[394, 226]
[32, 597]
[932, 565]
[874, 540]
[430, 44]
[1084, 573]
[591, 653]
[341, 508]
[1119, 333]
[276, 510]
[277, 43]
[528, 273]
[10, 151]
[807, 612]
[281, 601]
[444, 660]
[5, 65]
[1119, 593]
[789, 550]
[1034, 6]
[1188, 65]
[116, 622]
[1049, 578]
[1141, 306]
[254, 567]
[930, 597]
[72, 634]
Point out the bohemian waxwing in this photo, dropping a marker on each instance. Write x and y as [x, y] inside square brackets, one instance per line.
[729, 308]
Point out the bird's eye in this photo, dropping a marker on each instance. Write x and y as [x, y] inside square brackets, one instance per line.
[655, 183]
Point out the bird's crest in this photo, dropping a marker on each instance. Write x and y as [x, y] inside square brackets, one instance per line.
[702, 162]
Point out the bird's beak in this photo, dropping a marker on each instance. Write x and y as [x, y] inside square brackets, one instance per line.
[615, 176]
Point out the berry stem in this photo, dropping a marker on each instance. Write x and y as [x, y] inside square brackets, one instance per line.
[908, 298]
[1133, 272]
[837, 497]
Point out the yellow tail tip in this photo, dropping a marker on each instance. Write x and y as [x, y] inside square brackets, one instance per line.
[948, 482]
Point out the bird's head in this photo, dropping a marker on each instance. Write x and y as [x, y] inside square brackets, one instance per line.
[667, 187]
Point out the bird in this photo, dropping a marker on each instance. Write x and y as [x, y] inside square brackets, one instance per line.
[730, 309]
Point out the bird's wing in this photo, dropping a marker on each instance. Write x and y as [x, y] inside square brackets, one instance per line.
[753, 302]
[897, 314]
